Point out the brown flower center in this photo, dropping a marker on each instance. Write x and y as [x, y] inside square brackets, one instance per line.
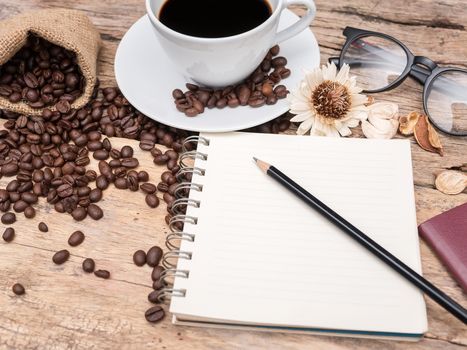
[331, 99]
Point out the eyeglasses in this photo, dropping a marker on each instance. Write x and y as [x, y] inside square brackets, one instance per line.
[382, 63]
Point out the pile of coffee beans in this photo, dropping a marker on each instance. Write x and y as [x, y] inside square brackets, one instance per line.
[259, 89]
[47, 156]
[42, 74]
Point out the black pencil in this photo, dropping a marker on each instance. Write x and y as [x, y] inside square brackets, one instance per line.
[423, 284]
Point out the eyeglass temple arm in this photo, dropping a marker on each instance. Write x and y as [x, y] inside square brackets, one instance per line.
[417, 72]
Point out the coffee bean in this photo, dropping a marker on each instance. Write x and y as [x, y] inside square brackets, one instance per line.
[139, 257]
[162, 186]
[143, 176]
[156, 273]
[177, 93]
[8, 234]
[148, 188]
[168, 178]
[104, 168]
[115, 153]
[65, 190]
[20, 206]
[95, 212]
[102, 274]
[257, 102]
[4, 195]
[121, 183]
[154, 256]
[157, 285]
[61, 257]
[161, 159]
[88, 265]
[76, 238]
[43, 227]
[126, 152]
[63, 106]
[8, 218]
[153, 297]
[94, 145]
[95, 195]
[130, 163]
[133, 183]
[29, 212]
[9, 169]
[279, 62]
[274, 50]
[152, 200]
[154, 314]
[168, 198]
[79, 213]
[29, 197]
[18, 289]
[101, 154]
[101, 182]
[146, 145]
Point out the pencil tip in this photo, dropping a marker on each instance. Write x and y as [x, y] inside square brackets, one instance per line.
[261, 164]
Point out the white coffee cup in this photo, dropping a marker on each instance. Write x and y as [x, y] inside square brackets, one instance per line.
[217, 62]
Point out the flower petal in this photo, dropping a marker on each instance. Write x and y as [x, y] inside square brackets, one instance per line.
[329, 71]
[343, 74]
[352, 122]
[358, 99]
[303, 116]
[314, 78]
[305, 126]
[344, 130]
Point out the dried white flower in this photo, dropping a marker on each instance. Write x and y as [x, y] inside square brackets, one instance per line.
[383, 121]
[328, 102]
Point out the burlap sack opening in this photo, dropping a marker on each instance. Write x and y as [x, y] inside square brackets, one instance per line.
[69, 29]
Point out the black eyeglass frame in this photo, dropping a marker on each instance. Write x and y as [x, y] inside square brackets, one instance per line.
[421, 68]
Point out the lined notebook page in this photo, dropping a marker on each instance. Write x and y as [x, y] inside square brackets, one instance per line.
[261, 256]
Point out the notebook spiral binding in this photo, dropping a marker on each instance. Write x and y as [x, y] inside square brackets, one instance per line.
[179, 219]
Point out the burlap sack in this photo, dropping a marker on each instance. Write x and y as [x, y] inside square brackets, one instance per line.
[67, 28]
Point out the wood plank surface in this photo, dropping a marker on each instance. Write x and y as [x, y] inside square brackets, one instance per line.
[65, 308]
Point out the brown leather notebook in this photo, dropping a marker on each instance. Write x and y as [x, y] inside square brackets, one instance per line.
[446, 233]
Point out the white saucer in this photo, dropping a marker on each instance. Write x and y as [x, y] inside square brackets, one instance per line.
[147, 78]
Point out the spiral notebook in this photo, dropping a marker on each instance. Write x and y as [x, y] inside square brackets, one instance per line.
[252, 256]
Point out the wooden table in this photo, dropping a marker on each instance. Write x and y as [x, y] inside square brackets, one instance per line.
[65, 308]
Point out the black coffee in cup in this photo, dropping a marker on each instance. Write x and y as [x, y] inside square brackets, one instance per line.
[214, 18]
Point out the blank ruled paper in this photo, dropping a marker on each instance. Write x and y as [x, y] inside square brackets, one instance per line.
[263, 257]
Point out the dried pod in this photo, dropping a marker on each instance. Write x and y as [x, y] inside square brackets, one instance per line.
[408, 122]
[451, 182]
[382, 121]
[370, 101]
[433, 137]
[421, 133]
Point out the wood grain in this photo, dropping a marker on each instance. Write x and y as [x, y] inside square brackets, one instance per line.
[65, 308]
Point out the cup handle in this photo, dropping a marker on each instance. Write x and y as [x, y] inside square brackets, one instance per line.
[301, 24]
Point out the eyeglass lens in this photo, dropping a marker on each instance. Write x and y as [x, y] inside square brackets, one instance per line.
[376, 61]
[447, 101]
